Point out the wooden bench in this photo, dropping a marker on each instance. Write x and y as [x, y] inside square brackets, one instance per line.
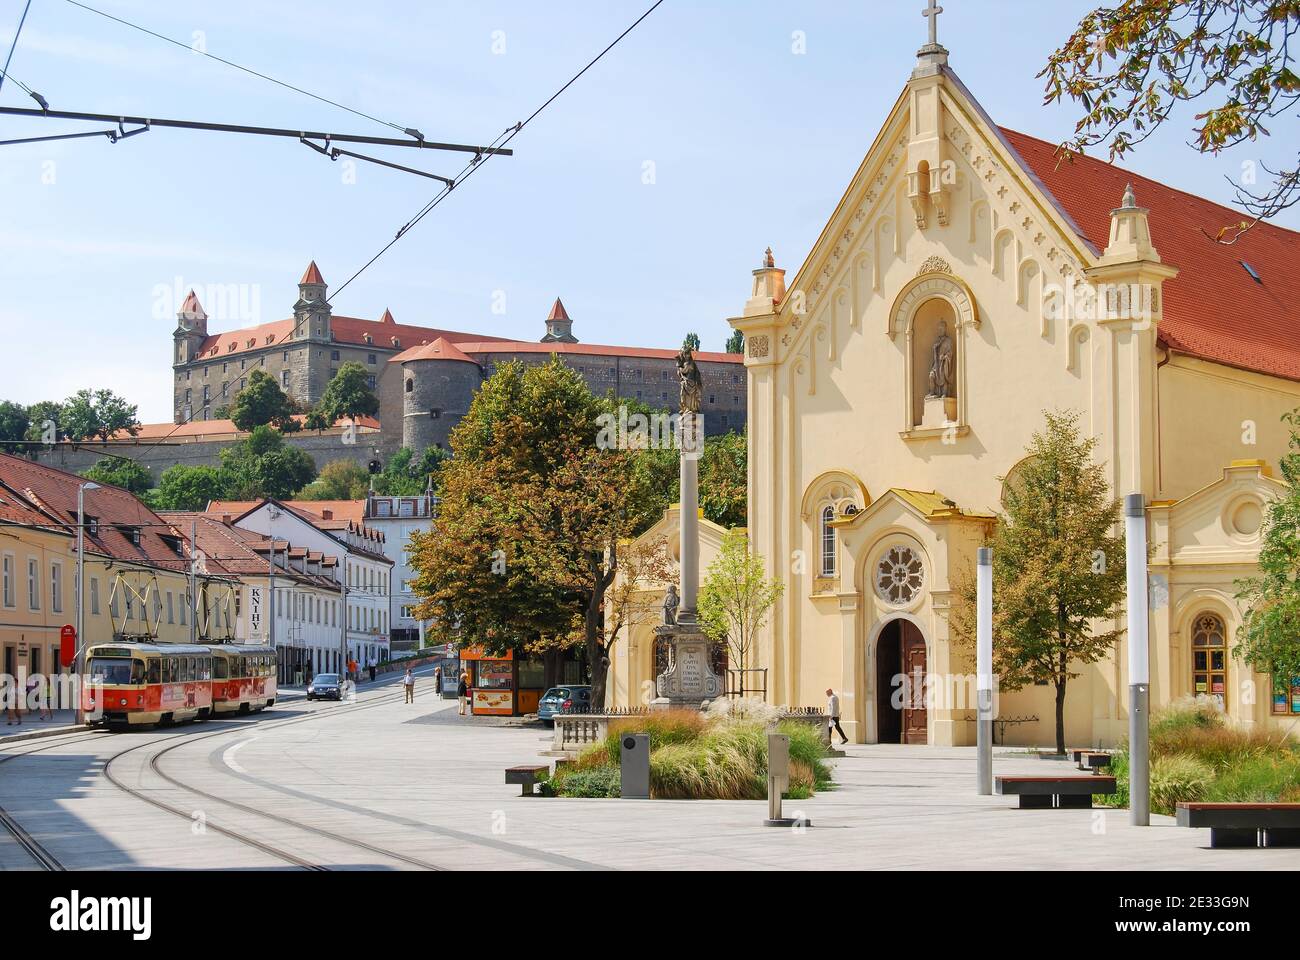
[1245, 824]
[1044, 793]
[1094, 760]
[527, 776]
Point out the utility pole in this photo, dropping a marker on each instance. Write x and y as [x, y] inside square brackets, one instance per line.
[1139, 669]
[81, 581]
[984, 670]
[194, 580]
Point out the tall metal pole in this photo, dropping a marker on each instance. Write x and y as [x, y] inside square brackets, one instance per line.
[194, 579]
[80, 608]
[984, 670]
[1139, 676]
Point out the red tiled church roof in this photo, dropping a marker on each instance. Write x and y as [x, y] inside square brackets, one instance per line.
[1214, 309]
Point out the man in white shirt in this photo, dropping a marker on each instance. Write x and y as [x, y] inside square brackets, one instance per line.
[833, 711]
[408, 681]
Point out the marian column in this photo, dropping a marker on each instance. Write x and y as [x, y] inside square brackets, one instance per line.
[689, 679]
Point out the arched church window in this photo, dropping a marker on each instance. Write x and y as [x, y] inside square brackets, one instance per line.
[410, 385]
[900, 574]
[828, 542]
[1210, 657]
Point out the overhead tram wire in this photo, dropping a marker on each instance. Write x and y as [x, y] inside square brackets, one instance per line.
[502, 139]
[409, 131]
[485, 153]
[14, 45]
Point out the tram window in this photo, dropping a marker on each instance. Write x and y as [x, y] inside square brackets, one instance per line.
[114, 671]
[205, 669]
[219, 671]
[154, 672]
[241, 666]
[192, 665]
[169, 670]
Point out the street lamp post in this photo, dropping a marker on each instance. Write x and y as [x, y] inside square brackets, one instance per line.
[1139, 670]
[81, 581]
[984, 670]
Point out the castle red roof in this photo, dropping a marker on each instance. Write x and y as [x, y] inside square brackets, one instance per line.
[1214, 309]
[440, 349]
[558, 312]
[594, 349]
[312, 275]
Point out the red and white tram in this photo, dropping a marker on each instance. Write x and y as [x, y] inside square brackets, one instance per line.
[243, 678]
[136, 684]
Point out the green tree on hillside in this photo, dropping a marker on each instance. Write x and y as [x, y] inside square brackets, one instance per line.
[13, 427]
[693, 341]
[97, 415]
[338, 480]
[262, 403]
[263, 465]
[121, 473]
[349, 394]
[405, 475]
[42, 416]
[183, 487]
[1058, 567]
[735, 343]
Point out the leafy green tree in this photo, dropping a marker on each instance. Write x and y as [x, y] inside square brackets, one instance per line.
[534, 518]
[316, 420]
[736, 598]
[405, 475]
[735, 342]
[693, 341]
[121, 473]
[263, 403]
[43, 415]
[1269, 639]
[1132, 65]
[724, 479]
[183, 487]
[1058, 567]
[349, 394]
[338, 480]
[263, 465]
[97, 415]
[13, 426]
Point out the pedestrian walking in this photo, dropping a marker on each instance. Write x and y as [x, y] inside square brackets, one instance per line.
[44, 695]
[437, 682]
[13, 701]
[408, 681]
[462, 692]
[374, 664]
[352, 670]
[833, 711]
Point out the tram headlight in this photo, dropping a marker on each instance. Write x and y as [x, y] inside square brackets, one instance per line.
[122, 701]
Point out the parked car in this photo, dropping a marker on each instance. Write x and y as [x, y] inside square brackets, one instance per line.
[571, 698]
[325, 686]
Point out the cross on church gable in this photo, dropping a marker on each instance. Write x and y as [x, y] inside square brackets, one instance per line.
[931, 13]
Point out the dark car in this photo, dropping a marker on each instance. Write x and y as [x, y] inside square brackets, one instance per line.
[325, 686]
[570, 698]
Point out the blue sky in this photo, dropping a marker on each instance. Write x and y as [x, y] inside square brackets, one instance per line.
[751, 145]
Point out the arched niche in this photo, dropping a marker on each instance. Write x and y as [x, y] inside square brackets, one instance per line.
[935, 296]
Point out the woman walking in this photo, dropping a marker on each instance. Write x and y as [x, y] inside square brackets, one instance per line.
[462, 692]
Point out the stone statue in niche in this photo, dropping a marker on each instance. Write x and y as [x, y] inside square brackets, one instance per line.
[942, 372]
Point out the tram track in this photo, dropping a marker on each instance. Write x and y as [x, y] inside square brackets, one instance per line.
[33, 847]
[155, 766]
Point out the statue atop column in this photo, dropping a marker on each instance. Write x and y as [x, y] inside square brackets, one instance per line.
[692, 386]
[942, 378]
[671, 601]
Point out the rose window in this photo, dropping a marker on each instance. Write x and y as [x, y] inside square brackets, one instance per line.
[899, 575]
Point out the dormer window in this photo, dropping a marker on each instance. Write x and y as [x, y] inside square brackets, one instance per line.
[92, 526]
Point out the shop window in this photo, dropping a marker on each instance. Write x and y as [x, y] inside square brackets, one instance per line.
[1286, 696]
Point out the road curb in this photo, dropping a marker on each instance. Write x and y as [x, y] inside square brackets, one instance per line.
[38, 734]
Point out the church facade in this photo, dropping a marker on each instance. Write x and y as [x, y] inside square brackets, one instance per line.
[968, 281]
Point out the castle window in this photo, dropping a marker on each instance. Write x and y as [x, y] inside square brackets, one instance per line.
[435, 413]
[284, 378]
[370, 358]
[410, 385]
[286, 356]
[828, 541]
[224, 367]
[371, 381]
[1209, 657]
[334, 354]
[225, 389]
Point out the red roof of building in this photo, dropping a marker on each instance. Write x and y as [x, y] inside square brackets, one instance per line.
[350, 330]
[440, 349]
[595, 349]
[240, 551]
[1214, 309]
[192, 306]
[387, 317]
[312, 274]
[211, 429]
[558, 312]
[118, 513]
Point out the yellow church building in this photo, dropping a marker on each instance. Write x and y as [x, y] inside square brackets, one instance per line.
[967, 281]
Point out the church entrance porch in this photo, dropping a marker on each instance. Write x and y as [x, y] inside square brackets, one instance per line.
[900, 684]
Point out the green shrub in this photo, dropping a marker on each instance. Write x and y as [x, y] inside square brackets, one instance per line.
[808, 751]
[1258, 779]
[1180, 778]
[594, 782]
